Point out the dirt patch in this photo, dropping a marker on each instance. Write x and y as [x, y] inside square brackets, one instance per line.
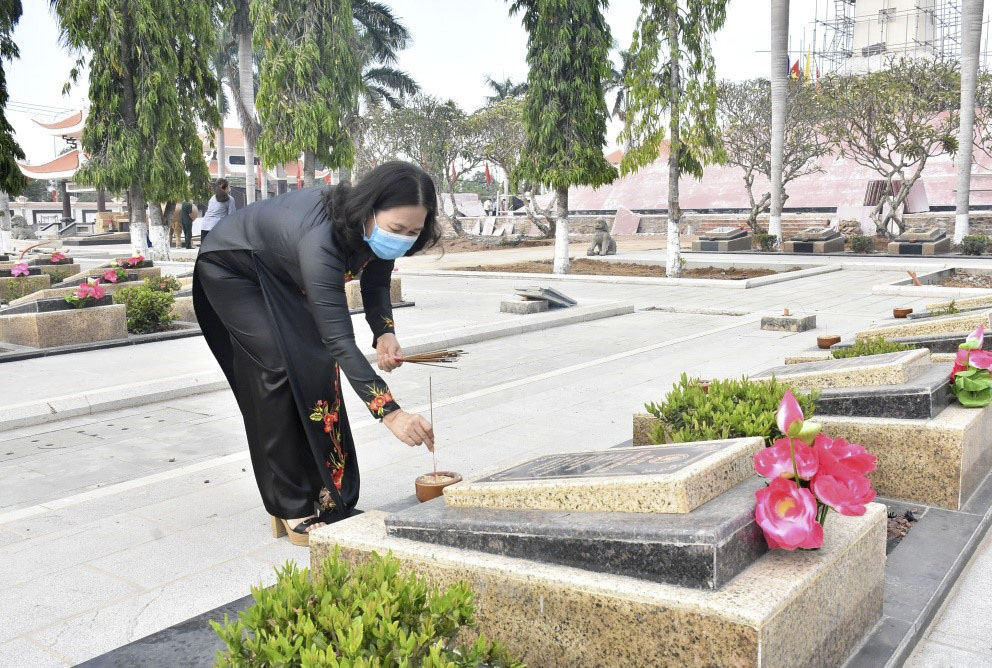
[471, 244]
[963, 279]
[897, 528]
[602, 268]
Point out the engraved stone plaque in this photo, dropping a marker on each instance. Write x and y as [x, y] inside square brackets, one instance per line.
[817, 234]
[921, 234]
[724, 233]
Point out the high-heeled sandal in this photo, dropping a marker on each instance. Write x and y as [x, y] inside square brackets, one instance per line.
[298, 535]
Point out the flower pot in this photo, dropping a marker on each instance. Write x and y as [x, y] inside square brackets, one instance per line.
[824, 342]
[901, 312]
[430, 488]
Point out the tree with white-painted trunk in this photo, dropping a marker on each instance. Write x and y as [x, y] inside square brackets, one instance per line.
[565, 110]
[780, 84]
[672, 80]
[971, 41]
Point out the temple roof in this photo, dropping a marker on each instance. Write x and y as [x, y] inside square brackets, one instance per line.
[69, 126]
[62, 167]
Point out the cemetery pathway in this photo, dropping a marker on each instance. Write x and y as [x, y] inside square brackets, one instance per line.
[116, 525]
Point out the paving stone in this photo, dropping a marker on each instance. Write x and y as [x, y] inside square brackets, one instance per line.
[523, 306]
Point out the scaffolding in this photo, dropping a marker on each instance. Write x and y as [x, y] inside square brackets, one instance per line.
[863, 37]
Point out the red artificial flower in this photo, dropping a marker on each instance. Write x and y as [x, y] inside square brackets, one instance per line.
[841, 489]
[851, 455]
[787, 516]
[111, 276]
[135, 261]
[57, 258]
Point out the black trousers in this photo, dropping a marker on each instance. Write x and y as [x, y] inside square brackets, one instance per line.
[187, 234]
[285, 469]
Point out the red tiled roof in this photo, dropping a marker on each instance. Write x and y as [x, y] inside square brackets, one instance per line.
[67, 122]
[63, 166]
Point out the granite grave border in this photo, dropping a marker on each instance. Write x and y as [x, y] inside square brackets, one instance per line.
[904, 287]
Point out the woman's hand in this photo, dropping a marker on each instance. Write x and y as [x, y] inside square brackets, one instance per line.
[390, 353]
[411, 429]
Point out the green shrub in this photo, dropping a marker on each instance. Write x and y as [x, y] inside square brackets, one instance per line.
[766, 242]
[727, 409]
[59, 275]
[359, 617]
[950, 309]
[17, 288]
[872, 346]
[974, 244]
[147, 310]
[163, 283]
[861, 243]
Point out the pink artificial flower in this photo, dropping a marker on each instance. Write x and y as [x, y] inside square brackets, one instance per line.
[842, 489]
[787, 516]
[976, 339]
[20, 269]
[110, 276]
[57, 257]
[98, 292]
[89, 289]
[135, 261]
[789, 415]
[851, 455]
[776, 461]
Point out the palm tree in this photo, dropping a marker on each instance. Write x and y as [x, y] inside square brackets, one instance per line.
[971, 38]
[618, 82]
[222, 62]
[504, 89]
[241, 28]
[780, 85]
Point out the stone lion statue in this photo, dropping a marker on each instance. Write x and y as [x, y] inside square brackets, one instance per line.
[602, 243]
[19, 229]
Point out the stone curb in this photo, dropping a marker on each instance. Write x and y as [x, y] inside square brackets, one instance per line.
[108, 398]
[634, 280]
[136, 394]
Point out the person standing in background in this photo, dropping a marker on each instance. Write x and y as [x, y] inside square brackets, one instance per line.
[186, 219]
[220, 206]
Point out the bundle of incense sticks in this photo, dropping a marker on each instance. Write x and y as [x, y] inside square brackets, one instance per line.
[439, 358]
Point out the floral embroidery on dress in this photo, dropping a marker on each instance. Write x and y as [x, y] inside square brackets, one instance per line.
[388, 324]
[349, 276]
[380, 398]
[330, 416]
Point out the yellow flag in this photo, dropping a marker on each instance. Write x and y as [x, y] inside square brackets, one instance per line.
[808, 71]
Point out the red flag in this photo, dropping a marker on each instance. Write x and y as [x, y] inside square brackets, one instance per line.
[489, 179]
[794, 72]
[55, 196]
[299, 176]
[327, 178]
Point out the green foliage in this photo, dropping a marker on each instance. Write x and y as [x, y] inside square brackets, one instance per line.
[974, 244]
[16, 288]
[766, 242]
[150, 89]
[673, 77]
[950, 309]
[500, 128]
[309, 79]
[147, 310]
[876, 345]
[11, 179]
[861, 243]
[973, 387]
[727, 409]
[59, 275]
[162, 283]
[564, 115]
[906, 113]
[356, 617]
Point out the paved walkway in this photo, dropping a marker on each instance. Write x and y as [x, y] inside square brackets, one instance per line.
[113, 526]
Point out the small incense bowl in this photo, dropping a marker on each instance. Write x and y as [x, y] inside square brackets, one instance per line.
[431, 485]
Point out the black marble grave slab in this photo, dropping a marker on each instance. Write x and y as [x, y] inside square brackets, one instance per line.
[909, 248]
[4, 258]
[32, 271]
[50, 304]
[46, 260]
[921, 399]
[802, 246]
[703, 549]
[71, 283]
[709, 245]
[940, 343]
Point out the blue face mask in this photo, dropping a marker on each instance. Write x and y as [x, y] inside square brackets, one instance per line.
[388, 245]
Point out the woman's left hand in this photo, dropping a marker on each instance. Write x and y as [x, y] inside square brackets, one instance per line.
[390, 353]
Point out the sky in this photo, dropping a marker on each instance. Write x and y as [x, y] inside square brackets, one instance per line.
[456, 43]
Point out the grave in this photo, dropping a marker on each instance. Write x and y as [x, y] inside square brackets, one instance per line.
[965, 303]
[554, 298]
[23, 284]
[723, 239]
[815, 240]
[6, 272]
[887, 369]
[663, 479]
[923, 397]
[353, 292]
[788, 323]
[48, 329]
[634, 587]
[920, 241]
[938, 325]
[523, 306]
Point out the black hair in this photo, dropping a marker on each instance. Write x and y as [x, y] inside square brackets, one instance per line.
[389, 185]
[219, 190]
